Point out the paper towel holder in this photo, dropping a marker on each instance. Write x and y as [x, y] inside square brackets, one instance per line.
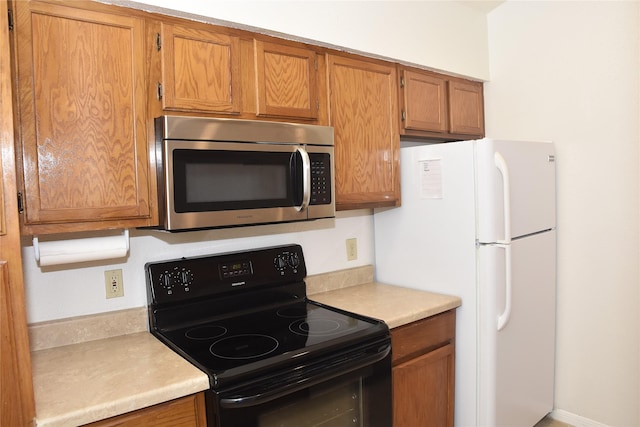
[36, 247]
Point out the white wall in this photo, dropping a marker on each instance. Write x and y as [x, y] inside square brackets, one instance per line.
[78, 289]
[569, 72]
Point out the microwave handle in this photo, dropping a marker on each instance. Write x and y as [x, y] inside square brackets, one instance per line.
[306, 179]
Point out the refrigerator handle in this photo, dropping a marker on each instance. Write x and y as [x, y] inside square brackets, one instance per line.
[503, 318]
[504, 171]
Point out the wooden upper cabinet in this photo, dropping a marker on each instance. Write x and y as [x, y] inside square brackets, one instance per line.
[363, 112]
[287, 83]
[466, 108]
[83, 124]
[200, 69]
[424, 102]
[438, 106]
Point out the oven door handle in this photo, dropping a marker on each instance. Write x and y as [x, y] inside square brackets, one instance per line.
[320, 375]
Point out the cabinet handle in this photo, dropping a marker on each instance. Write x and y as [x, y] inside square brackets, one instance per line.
[159, 90]
[404, 115]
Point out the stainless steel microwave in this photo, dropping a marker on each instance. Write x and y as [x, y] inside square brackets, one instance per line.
[227, 172]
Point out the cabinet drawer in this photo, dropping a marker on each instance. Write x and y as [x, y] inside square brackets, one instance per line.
[419, 337]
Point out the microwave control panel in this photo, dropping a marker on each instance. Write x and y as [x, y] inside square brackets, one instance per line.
[320, 179]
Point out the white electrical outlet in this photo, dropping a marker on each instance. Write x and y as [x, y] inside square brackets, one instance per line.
[352, 249]
[113, 284]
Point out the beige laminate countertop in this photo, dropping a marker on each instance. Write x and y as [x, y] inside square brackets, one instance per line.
[84, 370]
[90, 381]
[395, 305]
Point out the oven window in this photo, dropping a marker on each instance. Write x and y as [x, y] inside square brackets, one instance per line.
[218, 180]
[326, 406]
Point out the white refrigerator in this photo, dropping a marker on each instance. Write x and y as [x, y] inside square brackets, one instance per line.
[478, 221]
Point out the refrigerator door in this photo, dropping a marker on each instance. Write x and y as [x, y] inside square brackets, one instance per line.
[516, 363]
[429, 244]
[515, 188]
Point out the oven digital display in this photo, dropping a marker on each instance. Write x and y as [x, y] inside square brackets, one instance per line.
[235, 269]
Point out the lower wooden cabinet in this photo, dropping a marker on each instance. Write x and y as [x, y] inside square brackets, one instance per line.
[187, 411]
[424, 372]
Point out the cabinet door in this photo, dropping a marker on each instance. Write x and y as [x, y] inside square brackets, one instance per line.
[424, 102]
[287, 85]
[16, 386]
[82, 116]
[184, 412]
[200, 70]
[466, 108]
[363, 112]
[423, 390]
[16, 398]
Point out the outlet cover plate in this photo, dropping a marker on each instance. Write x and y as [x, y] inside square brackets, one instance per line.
[113, 284]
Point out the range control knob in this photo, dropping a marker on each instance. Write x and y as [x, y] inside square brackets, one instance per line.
[167, 281]
[280, 262]
[293, 260]
[171, 280]
[186, 279]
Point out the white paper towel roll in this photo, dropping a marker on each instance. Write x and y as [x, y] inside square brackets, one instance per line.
[80, 250]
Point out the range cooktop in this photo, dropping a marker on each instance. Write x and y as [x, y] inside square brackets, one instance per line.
[240, 314]
[231, 347]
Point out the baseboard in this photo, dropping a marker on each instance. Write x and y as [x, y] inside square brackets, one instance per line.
[573, 419]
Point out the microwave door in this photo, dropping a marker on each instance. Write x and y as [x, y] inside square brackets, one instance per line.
[220, 184]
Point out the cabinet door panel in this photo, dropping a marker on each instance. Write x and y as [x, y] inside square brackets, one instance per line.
[287, 82]
[423, 390]
[81, 82]
[17, 406]
[425, 102]
[466, 108]
[10, 355]
[363, 112]
[200, 70]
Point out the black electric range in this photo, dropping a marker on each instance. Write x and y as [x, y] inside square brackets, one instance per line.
[244, 318]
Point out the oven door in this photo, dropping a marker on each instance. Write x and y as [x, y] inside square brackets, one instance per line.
[217, 184]
[348, 389]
